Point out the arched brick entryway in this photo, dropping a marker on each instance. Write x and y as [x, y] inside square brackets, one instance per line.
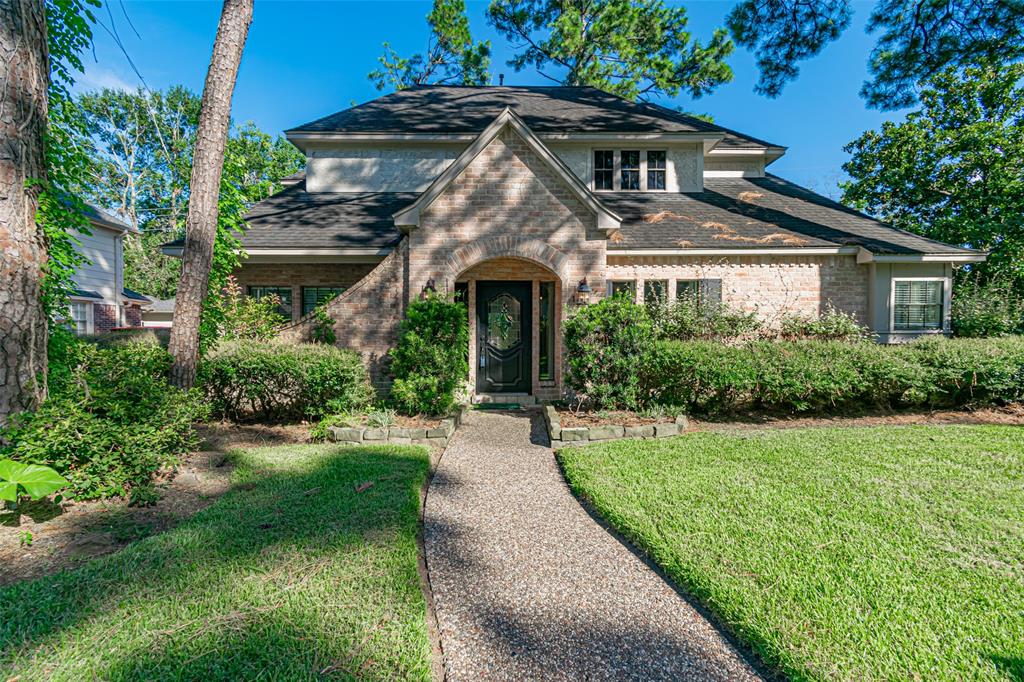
[507, 246]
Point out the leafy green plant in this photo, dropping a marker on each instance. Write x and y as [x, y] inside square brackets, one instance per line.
[323, 325]
[279, 381]
[693, 318]
[25, 538]
[992, 308]
[236, 316]
[430, 363]
[32, 480]
[381, 418]
[604, 345]
[111, 424]
[831, 325]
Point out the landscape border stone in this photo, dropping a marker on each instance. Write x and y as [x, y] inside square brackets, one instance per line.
[436, 436]
[582, 435]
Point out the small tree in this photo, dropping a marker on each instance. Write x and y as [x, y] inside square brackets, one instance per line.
[234, 316]
[430, 362]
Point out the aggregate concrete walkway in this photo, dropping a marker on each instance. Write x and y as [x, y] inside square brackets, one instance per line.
[527, 586]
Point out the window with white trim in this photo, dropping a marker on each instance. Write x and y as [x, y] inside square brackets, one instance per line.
[917, 304]
[604, 168]
[630, 170]
[629, 164]
[81, 316]
[655, 170]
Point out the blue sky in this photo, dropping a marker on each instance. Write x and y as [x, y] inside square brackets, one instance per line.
[304, 60]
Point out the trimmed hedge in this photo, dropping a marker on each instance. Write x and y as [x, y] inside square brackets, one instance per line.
[112, 421]
[815, 376]
[431, 362]
[278, 381]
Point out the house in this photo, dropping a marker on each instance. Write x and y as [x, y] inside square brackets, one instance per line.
[100, 301]
[528, 201]
[158, 314]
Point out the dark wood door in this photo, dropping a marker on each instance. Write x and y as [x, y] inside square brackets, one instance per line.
[503, 317]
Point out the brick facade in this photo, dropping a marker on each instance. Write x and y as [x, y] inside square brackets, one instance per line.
[133, 316]
[104, 317]
[771, 286]
[298, 275]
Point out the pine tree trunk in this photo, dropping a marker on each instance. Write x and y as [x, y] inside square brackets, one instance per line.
[207, 165]
[24, 77]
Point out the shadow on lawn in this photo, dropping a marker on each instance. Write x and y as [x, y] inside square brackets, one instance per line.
[1013, 668]
[235, 590]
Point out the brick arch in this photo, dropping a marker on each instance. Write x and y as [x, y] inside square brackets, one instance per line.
[507, 246]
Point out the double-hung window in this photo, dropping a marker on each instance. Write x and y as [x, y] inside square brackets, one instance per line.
[655, 170]
[604, 168]
[917, 304]
[316, 296]
[629, 165]
[284, 297]
[81, 314]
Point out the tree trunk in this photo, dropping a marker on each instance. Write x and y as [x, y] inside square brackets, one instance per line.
[207, 165]
[24, 78]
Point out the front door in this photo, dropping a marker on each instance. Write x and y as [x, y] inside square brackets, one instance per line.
[503, 316]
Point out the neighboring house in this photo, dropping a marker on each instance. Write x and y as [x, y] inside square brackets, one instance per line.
[158, 314]
[101, 302]
[527, 201]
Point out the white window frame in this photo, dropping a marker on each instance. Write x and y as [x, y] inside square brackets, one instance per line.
[617, 167]
[89, 316]
[946, 291]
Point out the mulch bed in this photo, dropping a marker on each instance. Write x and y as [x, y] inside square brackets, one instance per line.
[570, 419]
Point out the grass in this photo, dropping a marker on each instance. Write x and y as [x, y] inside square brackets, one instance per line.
[292, 575]
[854, 554]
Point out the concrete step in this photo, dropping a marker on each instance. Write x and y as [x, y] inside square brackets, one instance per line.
[491, 398]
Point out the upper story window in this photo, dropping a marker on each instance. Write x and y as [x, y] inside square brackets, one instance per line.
[655, 170]
[630, 166]
[917, 304]
[604, 168]
[630, 170]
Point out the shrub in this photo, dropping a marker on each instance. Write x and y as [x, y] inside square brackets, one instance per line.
[323, 326]
[234, 316]
[604, 346]
[111, 423]
[278, 381]
[987, 309]
[831, 325]
[430, 363]
[689, 319]
[815, 376]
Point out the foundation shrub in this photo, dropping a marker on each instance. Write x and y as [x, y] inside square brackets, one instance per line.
[111, 422]
[605, 345]
[278, 381]
[430, 362]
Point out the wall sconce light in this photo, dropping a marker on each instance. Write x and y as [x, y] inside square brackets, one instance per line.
[583, 292]
[429, 287]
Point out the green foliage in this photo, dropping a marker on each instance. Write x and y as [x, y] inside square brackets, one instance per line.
[783, 33]
[430, 363]
[32, 480]
[954, 170]
[452, 56]
[277, 381]
[111, 424]
[323, 325]
[815, 376]
[981, 309]
[244, 317]
[831, 325]
[604, 347]
[919, 38]
[632, 49]
[690, 318]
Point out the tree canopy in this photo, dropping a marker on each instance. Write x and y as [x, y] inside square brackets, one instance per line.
[452, 57]
[635, 49]
[140, 149]
[917, 39]
[954, 170]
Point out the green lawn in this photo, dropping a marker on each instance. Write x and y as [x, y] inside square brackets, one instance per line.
[292, 575]
[837, 553]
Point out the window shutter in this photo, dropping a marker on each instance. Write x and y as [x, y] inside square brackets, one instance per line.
[711, 290]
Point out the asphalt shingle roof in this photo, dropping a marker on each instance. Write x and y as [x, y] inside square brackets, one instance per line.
[465, 109]
[754, 213]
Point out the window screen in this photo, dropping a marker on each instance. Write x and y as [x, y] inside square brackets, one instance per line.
[655, 170]
[918, 305]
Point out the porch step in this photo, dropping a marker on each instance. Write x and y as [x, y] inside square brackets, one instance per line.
[504, 398]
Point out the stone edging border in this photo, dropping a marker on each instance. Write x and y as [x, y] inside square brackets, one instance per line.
[395, 435]
[581, 435]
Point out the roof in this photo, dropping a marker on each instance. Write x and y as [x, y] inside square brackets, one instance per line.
[755, 213]
[447, 109]
[162, 306]
[135, 296]
[97, 216]
[84, 293]
[294, 218]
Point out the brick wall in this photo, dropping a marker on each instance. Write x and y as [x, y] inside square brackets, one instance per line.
[132, 316]
[298, 275]
[367, 315]
[104, 317]
[771, 286]
[507, 204]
